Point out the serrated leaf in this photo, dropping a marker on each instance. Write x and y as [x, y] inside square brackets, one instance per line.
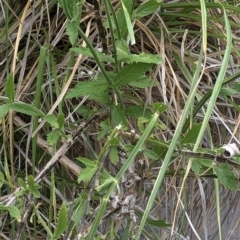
[30, 181]
[53, 137]
[69, 7]
[22, 183]
[106, 128]
[62, 222]
[36, 193]
[159, 107]
[142, 82]
[101, 97]
[226, 176]
[26, 109]
[113, 155]
[123, 51]
[4, 110]
[144, 58]
[192, 134]
[86, 52]
[88, 88]
[10, 90]
[124, 55]
[79, 208]
[146, 9]
[130, 73]
[1, 179]
[118, 116]
[138, 111]
[88, 172]
[72, 31]
[14, 212]
[52, 120]
[105, 184]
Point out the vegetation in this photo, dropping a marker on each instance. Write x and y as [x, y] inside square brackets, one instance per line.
[113, 119]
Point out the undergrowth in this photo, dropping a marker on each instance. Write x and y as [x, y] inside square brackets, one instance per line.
[119, 119]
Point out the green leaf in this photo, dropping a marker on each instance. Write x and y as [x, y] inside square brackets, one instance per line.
[138, 111]
[4, 110]
[10, 91]
[60, 120]
[150, 154]
[1, 179]
[88, 172]
[72, 31]
[69, 7]
[30, 181]
[141, 123]
[130, 73]
[113, 155]
[123, 51]
[159, 107]
[62, 222]
[86, 52]
[88, 88]
[52, 120]
[144, 58]
[26, 109]
[121, 18]
[129, 23]
[14, 212]
[124, 55]
[226, 176]
[158, 223]
[146, 9]
[142, 82]
[106, 128]
[192, 134]
[22, 183]
[36, 193]
[118, 116]
[79, 208]
[101, 97]
[53, 137]
[106, 183]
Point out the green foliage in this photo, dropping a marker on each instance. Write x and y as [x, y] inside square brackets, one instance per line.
[4, 110]
[52, 120]
[71, 31]
[25, 108]
[62, 222]
[130, 73]
[1, 179]
[79, 208]
[161, 65]
[192, 134]
[88, 172]
[10, 91]
[13, 211]
[54, 136]
[146, 8]
[29, 187]
[226, 176]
